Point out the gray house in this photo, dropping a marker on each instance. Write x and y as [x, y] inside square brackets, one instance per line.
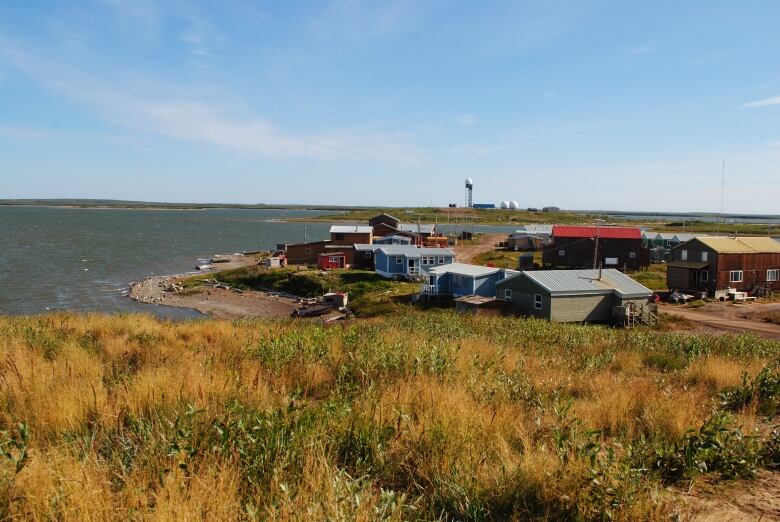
[576, 295]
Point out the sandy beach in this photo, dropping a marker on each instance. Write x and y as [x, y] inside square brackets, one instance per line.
[217, 301]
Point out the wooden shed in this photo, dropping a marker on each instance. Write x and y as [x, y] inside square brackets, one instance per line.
[332, 260]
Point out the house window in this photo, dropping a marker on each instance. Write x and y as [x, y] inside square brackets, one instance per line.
[684, 255]
[735, 276]
[368, 253]
[668, 243]
[508, 294]
[612, 261]
[537, 301]
[441, 260]
[561, 253]
[632, 255]
[399, 260]
[771, 275]
[704, 276]
[308, 250]
[339, 236]
[704, 256]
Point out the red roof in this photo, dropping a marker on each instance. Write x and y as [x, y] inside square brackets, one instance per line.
[603, 232]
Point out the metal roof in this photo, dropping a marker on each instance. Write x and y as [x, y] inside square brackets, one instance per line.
[741, 245]
[535, 228]
[682, 238]
[351, 229]
[464, 269]
[413, 228]
[603, 232]
[413, 251]
[362, 247]
[574, 282]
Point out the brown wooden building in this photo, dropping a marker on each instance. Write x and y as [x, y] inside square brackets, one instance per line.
[384, 224]
[351, 234]
[574, 246]
[305, 253]
[714, 264]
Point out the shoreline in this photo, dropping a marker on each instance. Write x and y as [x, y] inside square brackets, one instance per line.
[215, 300]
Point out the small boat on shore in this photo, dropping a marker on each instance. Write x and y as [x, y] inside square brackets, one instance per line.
[311, 311]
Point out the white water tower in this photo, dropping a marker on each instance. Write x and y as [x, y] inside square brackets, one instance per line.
[514, 205]
[505, 204]
[469, 193]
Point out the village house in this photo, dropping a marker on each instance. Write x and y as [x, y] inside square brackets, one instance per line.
[351, 234]
[574, 246]
[332, 261]
[409, 262]
[387, 225]
[593, 295]
[716, 264]
[304, 253]
[531, 237]
[459, 280]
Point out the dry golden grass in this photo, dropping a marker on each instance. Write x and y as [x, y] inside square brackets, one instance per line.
[420, 416]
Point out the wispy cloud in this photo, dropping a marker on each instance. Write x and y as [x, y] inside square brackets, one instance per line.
[768, 102]
[465, 119]
[152, 109]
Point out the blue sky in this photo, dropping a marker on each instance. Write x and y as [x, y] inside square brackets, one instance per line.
[584, 105]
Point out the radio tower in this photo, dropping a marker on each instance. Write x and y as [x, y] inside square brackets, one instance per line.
[469, 190]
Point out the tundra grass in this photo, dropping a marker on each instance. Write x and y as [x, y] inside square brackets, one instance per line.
[423, 416]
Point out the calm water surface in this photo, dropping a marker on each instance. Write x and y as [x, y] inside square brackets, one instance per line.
[84, 259]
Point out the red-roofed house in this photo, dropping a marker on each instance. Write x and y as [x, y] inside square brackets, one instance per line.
[574, 247]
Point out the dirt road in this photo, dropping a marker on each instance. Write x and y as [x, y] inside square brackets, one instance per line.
[727, 317]
[467, 253]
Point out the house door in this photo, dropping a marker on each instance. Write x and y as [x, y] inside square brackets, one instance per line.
[412, 266]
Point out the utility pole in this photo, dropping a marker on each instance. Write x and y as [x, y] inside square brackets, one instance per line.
[596, 247]
[305, 236]
[722, 191]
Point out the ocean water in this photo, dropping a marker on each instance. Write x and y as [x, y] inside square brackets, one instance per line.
[85, 259]
[55, 258]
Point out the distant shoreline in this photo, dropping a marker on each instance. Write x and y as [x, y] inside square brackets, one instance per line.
[140, 205]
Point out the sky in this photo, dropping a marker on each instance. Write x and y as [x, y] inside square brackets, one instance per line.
[612, 105]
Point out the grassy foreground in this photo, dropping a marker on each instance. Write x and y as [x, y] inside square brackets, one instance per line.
[418, 416]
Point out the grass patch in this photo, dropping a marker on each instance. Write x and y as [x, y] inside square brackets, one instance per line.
[654, 277]
[416, 415]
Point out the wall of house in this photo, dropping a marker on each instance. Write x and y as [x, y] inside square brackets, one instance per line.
[579, 308]
[305, 253]
[685, 278]
[350, 238]
[678, 278]
[522, 300]
[754, 270]
[578, 253]
[486, 285]
[362, 259]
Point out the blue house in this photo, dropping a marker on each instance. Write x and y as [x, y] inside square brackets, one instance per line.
[408, 261]
[459, 280]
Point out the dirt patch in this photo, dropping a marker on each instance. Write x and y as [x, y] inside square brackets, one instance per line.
[757, 499]
[728, 317]
[487, 243]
